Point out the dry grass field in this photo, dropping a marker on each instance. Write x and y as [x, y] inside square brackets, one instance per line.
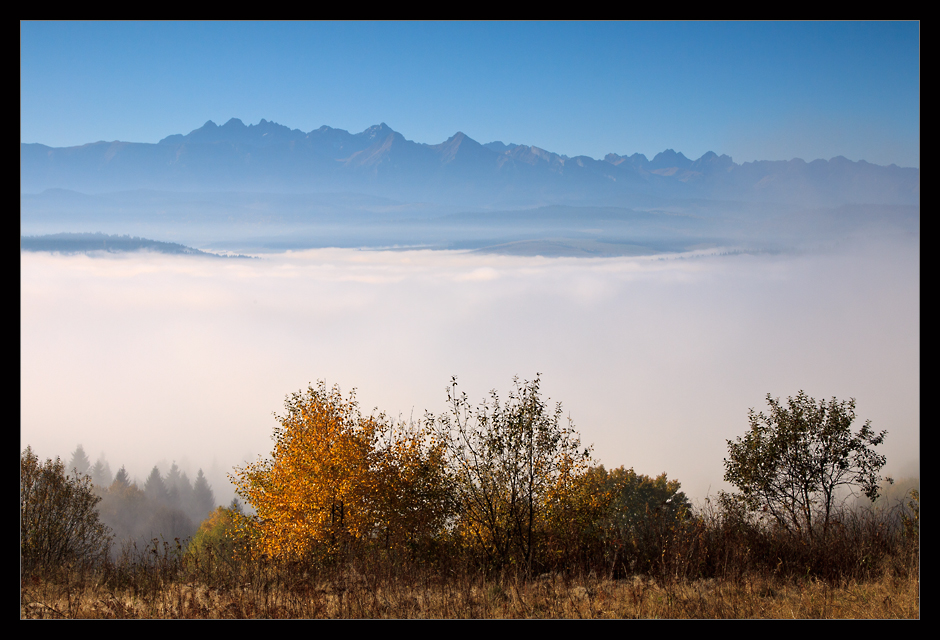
[165, 588]
[357, 596]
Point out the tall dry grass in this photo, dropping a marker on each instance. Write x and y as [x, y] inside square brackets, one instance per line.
[355, 595]
[717, 564]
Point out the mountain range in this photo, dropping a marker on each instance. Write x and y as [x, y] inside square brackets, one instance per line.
[459, 172]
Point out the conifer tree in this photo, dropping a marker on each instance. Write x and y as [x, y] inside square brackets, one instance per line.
[79, 462]
[173, 481]
[101, 473]
[155, 488]
[185, 489]
[203, 498]
[121, 480]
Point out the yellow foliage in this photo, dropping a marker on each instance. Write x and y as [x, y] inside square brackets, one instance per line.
[216, 535]
[336, 477]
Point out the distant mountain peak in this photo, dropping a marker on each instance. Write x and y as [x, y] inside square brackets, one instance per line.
[235, 131]
[668, 159]
[457, 139]
[378, 130]
[711, 161]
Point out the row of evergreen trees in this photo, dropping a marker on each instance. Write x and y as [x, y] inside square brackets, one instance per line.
[166, 507]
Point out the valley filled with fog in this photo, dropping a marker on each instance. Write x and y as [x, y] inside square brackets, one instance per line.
[656, 358]
[476, 316]
[660, 299]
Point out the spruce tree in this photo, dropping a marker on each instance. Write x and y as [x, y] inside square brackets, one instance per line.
[79, 463]
[155, 488]
[101, 473]
[187, 498]
[185, 488]
[173, 482]
[121, 480]
[203, 498]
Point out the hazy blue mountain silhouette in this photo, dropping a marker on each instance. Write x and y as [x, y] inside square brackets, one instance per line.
[459, 171]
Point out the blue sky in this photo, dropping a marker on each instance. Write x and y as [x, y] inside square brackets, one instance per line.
[750, 90]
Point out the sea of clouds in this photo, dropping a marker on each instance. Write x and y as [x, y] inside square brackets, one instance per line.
[152, 358]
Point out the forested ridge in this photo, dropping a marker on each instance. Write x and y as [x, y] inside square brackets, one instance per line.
[86, 242]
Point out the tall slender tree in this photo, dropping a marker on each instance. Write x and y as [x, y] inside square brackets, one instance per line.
[173, 482]
[101, 473]
[155, 488]
[185, 489]
[121, 480]
[79, 462]
[203, 498]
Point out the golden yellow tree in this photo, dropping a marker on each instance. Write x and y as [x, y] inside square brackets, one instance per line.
[336, 477]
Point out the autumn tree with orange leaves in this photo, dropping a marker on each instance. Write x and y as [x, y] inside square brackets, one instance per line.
[501, 480]
[337, 478]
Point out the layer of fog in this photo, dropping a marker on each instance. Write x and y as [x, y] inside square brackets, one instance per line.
[152, 358]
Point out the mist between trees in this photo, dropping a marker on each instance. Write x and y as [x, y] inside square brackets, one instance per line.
[163, 506]
[505, 485]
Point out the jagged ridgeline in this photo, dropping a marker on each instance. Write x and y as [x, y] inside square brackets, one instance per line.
[459, 171]
[266, 187]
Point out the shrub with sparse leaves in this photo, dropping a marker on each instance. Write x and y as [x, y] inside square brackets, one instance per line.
[514, 465]
[59, 521]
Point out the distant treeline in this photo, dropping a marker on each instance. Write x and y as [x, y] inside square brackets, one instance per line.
[169, 506]
[83, 242]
